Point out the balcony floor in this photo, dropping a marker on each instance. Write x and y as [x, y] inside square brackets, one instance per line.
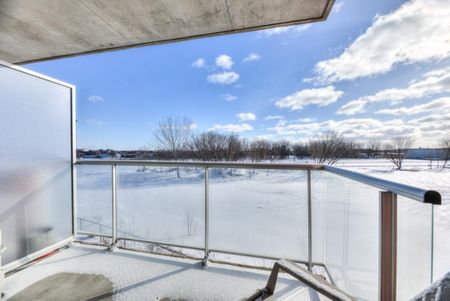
[139, 276]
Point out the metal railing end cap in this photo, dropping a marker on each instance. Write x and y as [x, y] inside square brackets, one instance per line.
[432, 197]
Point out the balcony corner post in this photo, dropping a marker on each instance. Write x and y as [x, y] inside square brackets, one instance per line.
[310, 265]
[114, 206]
[205, 259]
[388, 246]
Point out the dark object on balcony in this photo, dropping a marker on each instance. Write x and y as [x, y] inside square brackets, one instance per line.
[438, 291]
[315, 282]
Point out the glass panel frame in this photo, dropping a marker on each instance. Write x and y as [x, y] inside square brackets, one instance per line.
[94, 199]
[154, 204]
[351, 251]
[414, 247]
[237, 197]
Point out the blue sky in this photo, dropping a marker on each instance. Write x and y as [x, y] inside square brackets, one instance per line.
[373, 70]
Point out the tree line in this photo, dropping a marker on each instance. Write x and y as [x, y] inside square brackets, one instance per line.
[177, 140]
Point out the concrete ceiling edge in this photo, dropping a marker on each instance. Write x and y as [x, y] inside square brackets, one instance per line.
[324, 16]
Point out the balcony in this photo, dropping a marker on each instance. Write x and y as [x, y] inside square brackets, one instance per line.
[226, 223]
[183, 230]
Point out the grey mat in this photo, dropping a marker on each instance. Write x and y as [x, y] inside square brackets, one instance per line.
[67, 287]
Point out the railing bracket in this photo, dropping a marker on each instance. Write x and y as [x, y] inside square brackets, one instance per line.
[205, 260]
[113, 246]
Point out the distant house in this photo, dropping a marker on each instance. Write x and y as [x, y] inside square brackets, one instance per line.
[96, 154]
[425, 153]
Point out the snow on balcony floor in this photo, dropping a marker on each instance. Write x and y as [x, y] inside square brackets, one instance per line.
[138, 276]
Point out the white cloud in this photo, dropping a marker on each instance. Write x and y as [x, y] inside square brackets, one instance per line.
[273, 117]
[320, 97]
[199, 63]
[427, 130]
[432, 128]
[417, 31]
[95, 98]
[439, 104]
[262, 137]
[223, 78]
[224, 61]
[93, 121]
[251, 57]
[280, 30]
[352, 107]
[276, 30]
[228, 97]
[356, 128]
[246, 116]
[236, 128]
[306, 119]
[433, 82]
[337, 7]
[301, 28]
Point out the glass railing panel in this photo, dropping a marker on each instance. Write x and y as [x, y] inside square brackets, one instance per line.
[94, 199]
[261, 212]
[441, 257]
[352, 235]
[161, 204]
[318, 185]
[414, 247]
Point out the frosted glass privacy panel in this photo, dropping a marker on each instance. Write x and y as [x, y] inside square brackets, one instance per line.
[161, 204]
[260, 212]
[352, 236]
[94, 199]
[35, 163]
[414, 247]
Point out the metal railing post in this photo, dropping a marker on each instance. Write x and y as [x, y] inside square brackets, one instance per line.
[432, 245]
[388, 246]
[205, 259]
[114, 205]
[309, 221]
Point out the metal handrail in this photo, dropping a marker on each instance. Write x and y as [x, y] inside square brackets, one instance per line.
[418, 194]
[204, 164]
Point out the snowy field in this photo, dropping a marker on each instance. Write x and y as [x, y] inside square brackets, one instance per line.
[265, 212]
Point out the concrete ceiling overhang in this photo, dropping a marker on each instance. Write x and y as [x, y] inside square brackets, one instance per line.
[37, 30]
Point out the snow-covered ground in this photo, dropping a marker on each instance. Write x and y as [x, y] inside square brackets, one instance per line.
[265, 212]
[137, 276]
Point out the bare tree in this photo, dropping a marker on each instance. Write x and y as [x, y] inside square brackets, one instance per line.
[397, 150]
[280, 150]
[300, 150]
[328, 148]
[213, 146]
[234, 148]
[373, 147]
[208, 146]
[445, 144]
[173, 134]
[259, 150]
